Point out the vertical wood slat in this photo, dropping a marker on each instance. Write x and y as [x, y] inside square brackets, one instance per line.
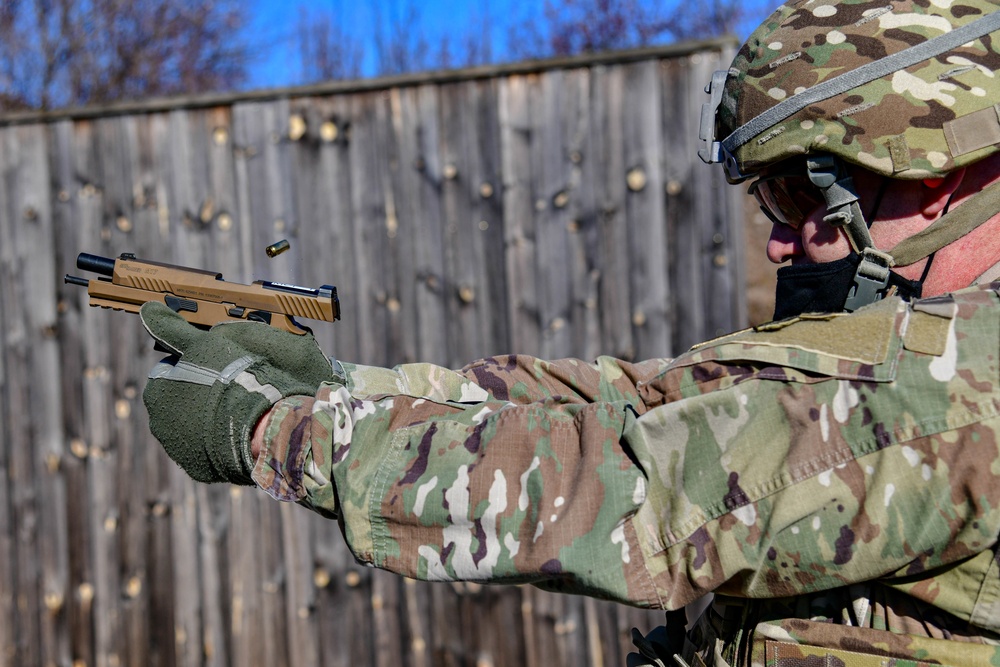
[47, 443]
[614, 295]
[100, 592]
[432, 332]
[549, 161]
[580, 162]
[518, 212]
[84, 210]
[486, 184]
[462, 236]
[47, 438]
[644, 211]
[154, 238]
[458, 220]
[368, 225]
[9, 624]
[246, 594]
[25, 604]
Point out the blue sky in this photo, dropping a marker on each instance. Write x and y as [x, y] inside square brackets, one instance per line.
[273, 26]
[273, 22]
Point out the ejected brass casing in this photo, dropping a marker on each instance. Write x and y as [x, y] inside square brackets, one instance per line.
[276, 249]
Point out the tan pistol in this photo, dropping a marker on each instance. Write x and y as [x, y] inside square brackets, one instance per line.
[202, 298]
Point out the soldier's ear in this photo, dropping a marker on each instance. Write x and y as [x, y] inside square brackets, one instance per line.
[937, 192]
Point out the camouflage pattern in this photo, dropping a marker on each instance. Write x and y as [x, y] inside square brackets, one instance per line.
[846, 626]
[790, 465]
[919, 122]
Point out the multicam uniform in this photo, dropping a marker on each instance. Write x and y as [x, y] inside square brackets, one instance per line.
[833, 479]
[837, 468]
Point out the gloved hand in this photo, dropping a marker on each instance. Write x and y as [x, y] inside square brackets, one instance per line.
[204, 401]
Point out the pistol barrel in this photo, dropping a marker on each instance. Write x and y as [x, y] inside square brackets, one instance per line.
[103, 265]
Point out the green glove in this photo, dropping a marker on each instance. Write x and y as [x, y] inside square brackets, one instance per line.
[204, 401]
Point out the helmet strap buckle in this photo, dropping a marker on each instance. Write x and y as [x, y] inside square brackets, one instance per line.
[828, 174]
[870, 279]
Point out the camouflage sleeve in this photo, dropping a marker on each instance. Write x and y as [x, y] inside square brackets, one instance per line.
[510, 470]
[803, 457]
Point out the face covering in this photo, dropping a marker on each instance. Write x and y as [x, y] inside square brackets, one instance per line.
[823, 288]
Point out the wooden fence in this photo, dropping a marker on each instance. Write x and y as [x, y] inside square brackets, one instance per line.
[555, 209]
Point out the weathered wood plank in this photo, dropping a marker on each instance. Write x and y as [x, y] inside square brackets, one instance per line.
[303, 640]
[104, 589]
[645, 212]
[36, 240]
[518, 214]
[181, 202]
[323, 246]
[447, 643]
[369, 228]
[683, 210]
[433, 335]
[152, 235]
[476, 297]
[261, 133]
[78, 162]
[8, 554]
[614, 294]
[462, 253]
[24, 504]
[551, 194]
[416, 610]
[246, 575]
[485, 187]
[130, 526]
[580, 164]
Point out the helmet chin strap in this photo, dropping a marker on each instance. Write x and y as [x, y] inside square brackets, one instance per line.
[871, 279]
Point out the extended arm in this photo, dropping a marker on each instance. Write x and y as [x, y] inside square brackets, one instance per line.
[754, 467]
[799, 459]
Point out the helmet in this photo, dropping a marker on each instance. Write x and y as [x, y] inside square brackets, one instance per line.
[905, 89]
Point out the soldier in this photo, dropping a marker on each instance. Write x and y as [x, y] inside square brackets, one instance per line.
[832, 477]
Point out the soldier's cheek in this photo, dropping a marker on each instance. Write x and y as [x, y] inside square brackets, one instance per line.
[822, 242]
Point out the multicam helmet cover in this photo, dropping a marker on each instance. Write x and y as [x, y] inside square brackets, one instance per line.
[907, 89]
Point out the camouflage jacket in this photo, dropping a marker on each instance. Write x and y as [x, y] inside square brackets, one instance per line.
[793, 462]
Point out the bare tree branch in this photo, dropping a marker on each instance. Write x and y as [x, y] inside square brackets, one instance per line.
[74, 52]
[568, 27]
[327, 50]
[399, 45]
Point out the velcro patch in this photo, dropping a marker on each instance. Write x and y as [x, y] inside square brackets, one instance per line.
[899, 151]
[863, 336]
[927, 334]
[927, 330]
[973, 131]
